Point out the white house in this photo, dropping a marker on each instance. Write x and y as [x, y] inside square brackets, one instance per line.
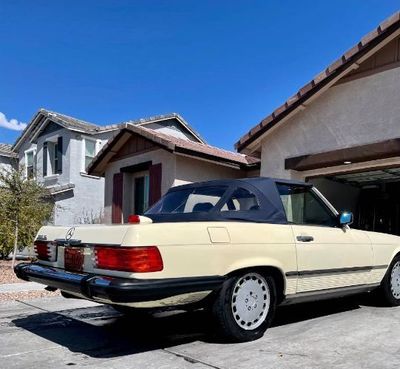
[342, 131]
[56, 149]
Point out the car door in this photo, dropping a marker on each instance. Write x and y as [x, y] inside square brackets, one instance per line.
[328, 255]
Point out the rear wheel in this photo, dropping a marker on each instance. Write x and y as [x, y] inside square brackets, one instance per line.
[390, 286]
[245, 306]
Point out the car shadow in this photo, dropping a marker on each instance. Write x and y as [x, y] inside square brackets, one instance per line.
[101, 332]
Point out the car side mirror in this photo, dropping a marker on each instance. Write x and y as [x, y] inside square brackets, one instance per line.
[346, 218]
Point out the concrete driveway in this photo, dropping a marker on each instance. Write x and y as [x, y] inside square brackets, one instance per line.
[55, 333]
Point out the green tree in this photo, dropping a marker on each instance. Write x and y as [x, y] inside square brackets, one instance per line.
[25, 206]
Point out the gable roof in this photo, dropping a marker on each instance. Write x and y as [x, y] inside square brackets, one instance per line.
[6, 150]
[164, 117]
[349, 61]
[173, 144]
[43, 116]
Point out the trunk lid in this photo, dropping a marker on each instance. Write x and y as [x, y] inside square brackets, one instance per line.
[86, 234]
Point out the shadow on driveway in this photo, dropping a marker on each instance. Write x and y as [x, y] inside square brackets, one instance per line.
[101, 332]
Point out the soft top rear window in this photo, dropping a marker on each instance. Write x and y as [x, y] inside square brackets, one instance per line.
[189, 200]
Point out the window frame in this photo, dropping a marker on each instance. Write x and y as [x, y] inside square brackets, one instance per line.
[26, 152]
[52, 156]
[96, 150]
[319, 198]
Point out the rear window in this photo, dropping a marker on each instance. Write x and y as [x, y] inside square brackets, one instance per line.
[191, 200]
[241, 200]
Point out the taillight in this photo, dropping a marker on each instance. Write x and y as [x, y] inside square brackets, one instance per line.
[134, 219]
[129, 259]
[45, 250]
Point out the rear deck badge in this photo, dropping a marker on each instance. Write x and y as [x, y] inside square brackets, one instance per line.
[69, 234]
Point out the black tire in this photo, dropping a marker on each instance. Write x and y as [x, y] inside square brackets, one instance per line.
[239, 294]
[389, 290]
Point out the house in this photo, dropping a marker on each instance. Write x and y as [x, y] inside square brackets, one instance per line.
[8, 158]
[55, 149]
[342, 131]
[140, 163]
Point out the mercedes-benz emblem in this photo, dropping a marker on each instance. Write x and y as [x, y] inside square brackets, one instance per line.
[70, 233]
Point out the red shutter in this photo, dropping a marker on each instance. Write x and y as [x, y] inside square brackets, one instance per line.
[155, 173]
[117, 198]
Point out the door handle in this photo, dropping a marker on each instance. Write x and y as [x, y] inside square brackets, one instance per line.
[305, 238]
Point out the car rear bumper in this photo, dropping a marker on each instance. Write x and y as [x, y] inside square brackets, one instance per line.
[114, 289]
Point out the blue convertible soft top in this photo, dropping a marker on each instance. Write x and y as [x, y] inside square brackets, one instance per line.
[269, 209]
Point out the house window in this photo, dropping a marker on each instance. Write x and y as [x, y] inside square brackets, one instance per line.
[90, 151]
[30, 164]
[52, 157]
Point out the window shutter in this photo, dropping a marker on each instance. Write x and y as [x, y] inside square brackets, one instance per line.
[44, 159]
[155, 173]
[59, 155]
[117, 198]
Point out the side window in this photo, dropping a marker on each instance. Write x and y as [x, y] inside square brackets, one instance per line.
[302, 206]
[241, 200]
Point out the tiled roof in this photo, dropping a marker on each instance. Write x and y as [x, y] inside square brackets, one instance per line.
[6, 150]
[72, 122]
[341, 65]
[201, 148]
[178, 145]
[90, 128]
[177, 116]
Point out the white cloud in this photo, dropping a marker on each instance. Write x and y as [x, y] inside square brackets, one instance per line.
[11, 124]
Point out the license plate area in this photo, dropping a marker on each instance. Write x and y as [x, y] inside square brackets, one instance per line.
[73, 259]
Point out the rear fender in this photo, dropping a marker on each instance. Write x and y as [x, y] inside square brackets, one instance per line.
[258, 263]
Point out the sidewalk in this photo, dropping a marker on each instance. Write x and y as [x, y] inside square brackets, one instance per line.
[21, 287]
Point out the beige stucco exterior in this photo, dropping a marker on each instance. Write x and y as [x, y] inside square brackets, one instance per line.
[358, 112]
[191, 170]
[156, 156]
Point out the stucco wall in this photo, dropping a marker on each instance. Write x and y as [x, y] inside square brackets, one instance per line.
[85, 201]
[358, 112]
[190, 170]
[158, 156]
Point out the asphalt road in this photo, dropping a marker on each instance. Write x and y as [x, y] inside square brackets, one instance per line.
[56, 333]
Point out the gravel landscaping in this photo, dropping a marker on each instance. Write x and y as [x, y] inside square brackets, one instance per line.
[7, 276]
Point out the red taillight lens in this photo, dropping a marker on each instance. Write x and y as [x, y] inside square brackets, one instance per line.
[134, 219]
[129, 259]
[45, 250]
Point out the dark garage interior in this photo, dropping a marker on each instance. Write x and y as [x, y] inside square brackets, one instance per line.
[373, 197]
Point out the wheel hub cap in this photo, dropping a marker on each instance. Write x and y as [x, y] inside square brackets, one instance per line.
[250, 301]
[395, 280]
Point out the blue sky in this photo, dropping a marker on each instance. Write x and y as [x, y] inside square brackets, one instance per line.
[223, 65]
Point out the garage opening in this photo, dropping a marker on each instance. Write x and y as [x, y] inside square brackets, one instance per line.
[373, 197]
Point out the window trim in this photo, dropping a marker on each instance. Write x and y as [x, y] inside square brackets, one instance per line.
[51, 170]
[26, 152]
[96, 150]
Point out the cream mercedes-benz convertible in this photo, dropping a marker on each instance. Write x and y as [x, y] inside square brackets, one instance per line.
[238, 247]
